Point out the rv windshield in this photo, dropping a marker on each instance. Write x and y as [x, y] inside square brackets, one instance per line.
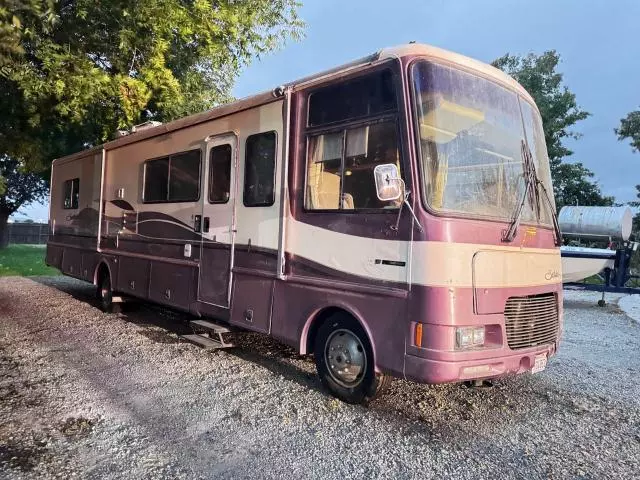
[471, 132]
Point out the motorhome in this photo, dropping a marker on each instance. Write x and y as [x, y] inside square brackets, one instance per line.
[392, 216]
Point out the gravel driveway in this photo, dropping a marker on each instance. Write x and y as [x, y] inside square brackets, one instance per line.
[91, 395]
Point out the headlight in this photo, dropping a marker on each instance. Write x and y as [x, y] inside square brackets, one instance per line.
[467, 337]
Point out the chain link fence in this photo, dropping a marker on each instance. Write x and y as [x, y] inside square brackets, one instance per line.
[28, 233]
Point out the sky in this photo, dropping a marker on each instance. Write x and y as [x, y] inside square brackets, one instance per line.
[596, 39]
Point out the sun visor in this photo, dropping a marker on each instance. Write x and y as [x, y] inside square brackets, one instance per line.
[446, 119]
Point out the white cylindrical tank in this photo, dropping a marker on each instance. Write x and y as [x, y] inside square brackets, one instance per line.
[596, 223]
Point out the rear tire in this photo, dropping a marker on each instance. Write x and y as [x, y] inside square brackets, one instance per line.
[105, 295]
[344, 360]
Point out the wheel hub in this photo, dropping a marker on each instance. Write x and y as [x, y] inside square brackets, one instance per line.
[345, 357]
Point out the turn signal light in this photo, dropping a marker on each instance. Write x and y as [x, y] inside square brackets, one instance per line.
[418, 335]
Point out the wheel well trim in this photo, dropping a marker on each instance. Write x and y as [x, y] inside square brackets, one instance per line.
[317, 314]
[100, 264]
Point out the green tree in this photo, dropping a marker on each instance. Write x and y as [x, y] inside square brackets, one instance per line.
[12, 15]
[630, 128]
[75, 71]
[539, 75]
[21, 187]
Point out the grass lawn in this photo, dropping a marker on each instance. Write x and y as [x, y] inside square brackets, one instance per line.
[25, 261]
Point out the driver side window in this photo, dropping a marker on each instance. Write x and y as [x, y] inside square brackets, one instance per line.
[340, 167]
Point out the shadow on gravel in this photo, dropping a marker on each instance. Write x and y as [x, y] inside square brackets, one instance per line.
[21, 456]
[162, 322]
[610, 307]
[138, 313]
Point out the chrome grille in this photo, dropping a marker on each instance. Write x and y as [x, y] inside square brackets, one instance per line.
[531, 321]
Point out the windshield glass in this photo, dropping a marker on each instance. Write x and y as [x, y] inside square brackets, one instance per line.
[471, 132]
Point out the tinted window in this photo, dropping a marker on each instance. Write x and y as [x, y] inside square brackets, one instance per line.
[220, 174]
[365, 96]
[156, 180]
[172, 179]
[259, 170]
[184, 177]
[71, 191]
[342, 177]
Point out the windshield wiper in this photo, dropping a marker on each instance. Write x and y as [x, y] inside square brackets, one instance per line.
[530, 192]
[532, 182]
[554, 217]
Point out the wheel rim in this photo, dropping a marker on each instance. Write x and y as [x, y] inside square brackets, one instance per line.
[345, 358]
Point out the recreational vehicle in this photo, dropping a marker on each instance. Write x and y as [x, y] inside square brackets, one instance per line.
[392, 217]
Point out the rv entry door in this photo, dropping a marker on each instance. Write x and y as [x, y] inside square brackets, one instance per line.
[217, 221]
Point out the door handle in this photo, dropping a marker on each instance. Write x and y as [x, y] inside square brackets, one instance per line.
[205, 224]
[197, 220]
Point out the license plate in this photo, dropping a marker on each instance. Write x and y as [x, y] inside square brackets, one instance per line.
[540, 364]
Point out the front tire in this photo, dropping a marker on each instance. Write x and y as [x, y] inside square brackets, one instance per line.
[105, 295]
[344, 360]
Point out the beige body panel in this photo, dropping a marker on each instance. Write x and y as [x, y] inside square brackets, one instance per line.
[124, 172]
[434, 264]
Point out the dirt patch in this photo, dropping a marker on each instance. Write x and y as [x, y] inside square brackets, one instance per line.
[23, 455]
[77, 427]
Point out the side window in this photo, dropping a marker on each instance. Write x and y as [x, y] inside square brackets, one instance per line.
[172, 179]
[324, 172]
[156, 180]
[372, 94]
[352, 127]
[71, 194]
[342, 177]
[220, 174]
[260, 170]
[184, 177]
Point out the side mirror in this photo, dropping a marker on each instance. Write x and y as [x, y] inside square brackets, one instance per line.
[388, 182]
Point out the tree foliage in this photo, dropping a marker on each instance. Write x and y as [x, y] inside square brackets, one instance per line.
[630, 128]
[12, 14]
[21, 187]
[101, 66]
[73, 72]
[539, 75]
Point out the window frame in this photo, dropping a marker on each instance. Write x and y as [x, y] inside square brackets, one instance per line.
[275, 170]
[168, 157]
[360, 75]
[392, 116]
[211, 172]
[64, 197]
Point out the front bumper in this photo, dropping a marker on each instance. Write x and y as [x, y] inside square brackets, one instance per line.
[427, 370]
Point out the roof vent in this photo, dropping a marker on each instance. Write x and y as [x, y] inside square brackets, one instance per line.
[138, 128]
[145, 126]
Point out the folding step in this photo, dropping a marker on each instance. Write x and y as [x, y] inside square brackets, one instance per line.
[208, 326]
[206, 342]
